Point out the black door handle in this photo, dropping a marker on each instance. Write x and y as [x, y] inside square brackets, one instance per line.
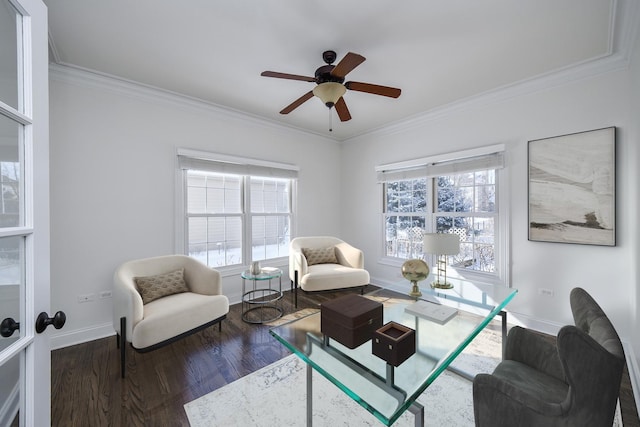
[8, 327]
[44, 320]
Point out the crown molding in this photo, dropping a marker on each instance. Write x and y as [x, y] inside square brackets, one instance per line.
[547, 81]
[72, 74]
[625, 18]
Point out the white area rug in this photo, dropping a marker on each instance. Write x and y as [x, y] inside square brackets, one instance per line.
[276, 396]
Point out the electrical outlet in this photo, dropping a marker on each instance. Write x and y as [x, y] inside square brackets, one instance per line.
[105, 294]
[545, 292]
[86, 298]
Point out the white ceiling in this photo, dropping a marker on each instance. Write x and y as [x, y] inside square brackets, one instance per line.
[437, 51]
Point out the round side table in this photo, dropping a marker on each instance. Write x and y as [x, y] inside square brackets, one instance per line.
[260, 302]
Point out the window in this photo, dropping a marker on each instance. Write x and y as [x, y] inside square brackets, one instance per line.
[235, 213]
[270, 218]
[446, 196]
[466, 206]
[405, 217]
[214, 218]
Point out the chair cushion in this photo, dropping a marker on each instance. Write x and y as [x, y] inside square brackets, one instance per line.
[176, 314]
[320, 255]
[543, 393]
[161, 285]
[333, 276]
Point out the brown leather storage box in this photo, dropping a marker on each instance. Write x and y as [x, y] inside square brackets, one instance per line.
[350, 320]
[394, 343]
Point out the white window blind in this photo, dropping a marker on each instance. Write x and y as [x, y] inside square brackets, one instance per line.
[472, 164]
[236, 168]
[448, 167]
[402, 174]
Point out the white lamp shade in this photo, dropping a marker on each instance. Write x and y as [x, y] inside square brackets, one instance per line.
[329, 92]
[441, 244]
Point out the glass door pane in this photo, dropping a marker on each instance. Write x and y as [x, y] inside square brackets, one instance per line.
[10, 174]
[10, 66]
[10, 391]
[11, 286]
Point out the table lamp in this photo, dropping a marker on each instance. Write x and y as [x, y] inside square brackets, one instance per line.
[441, 245]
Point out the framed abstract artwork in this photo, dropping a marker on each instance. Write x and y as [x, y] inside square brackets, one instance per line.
[572, 188]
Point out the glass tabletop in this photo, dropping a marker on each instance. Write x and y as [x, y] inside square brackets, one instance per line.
[383, 390]
[266, 273]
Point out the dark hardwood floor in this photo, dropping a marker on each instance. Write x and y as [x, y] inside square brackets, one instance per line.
[87, 389]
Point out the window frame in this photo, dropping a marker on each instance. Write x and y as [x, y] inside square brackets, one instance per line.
[415, 168]
[242, 167]
[471, 215]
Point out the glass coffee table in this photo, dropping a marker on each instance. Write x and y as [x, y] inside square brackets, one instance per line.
[387, 391]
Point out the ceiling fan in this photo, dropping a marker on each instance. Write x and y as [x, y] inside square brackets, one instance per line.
[330, 84]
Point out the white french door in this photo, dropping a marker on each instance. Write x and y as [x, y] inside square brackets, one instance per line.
[25, 356]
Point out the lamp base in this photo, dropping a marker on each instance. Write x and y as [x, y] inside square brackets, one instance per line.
[415, 290]
[441, 285]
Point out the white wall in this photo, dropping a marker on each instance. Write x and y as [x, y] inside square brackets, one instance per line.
[634, 122]
[113, 177]
[608, 273]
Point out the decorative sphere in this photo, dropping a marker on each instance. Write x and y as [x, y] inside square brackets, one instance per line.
[415, 270]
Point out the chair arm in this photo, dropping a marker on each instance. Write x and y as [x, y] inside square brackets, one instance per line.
[297, 262]
[349, 256]
[534, 350]
[202, 279]
[127, 302]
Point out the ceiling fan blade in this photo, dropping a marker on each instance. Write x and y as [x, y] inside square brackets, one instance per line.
[287, 76]
[342, 110]
[391, 92]
[348, 63]
[298, 102]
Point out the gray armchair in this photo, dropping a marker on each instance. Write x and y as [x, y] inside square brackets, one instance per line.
[573, 382]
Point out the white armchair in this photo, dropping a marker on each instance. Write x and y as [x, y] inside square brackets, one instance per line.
[319, 263]
[159, 300]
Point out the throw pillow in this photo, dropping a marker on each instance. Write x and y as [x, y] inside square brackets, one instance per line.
[153, 287]
[320, 255]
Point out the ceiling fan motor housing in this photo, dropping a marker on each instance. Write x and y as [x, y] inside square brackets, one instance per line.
[323, 75]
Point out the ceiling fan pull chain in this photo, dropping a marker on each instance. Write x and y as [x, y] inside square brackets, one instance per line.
[330, 125]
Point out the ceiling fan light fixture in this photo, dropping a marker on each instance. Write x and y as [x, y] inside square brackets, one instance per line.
[329, 92]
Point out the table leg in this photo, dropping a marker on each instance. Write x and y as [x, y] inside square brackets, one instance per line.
[309, 395]
[418, 412]
[295, 289]
[503, 314]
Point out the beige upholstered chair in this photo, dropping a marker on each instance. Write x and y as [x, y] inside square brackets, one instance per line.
[320, 263]
[159, 300]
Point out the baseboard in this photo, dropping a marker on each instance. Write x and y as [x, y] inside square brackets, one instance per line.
[67, 338]
[634, 372]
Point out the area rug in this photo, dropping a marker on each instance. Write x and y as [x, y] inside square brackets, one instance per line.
[276, 396]
[292, 316]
